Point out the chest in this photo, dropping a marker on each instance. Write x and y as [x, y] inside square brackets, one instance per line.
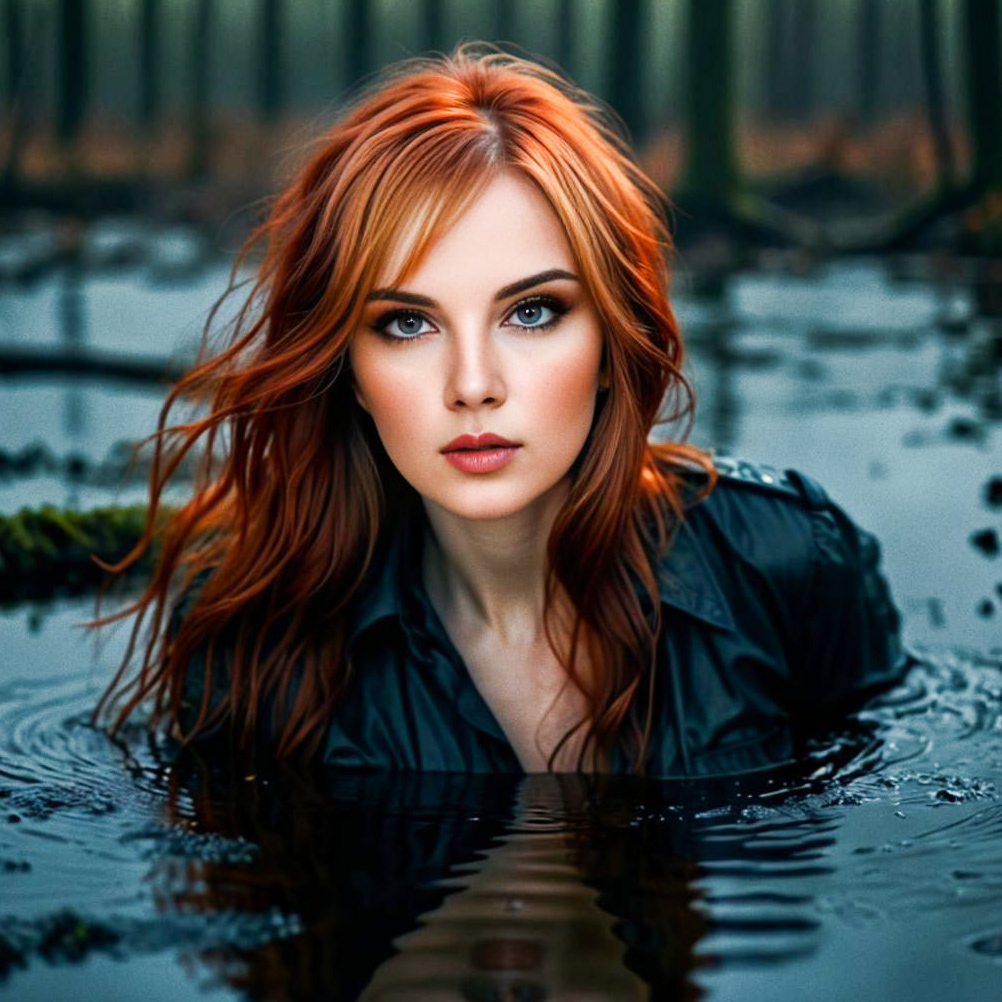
[531, 697]
[443, 706]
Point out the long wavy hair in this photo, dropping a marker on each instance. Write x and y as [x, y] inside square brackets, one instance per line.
[294, 490]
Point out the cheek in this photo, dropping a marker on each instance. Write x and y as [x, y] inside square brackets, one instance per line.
[393, 394]
[391, 403]
[568, 390]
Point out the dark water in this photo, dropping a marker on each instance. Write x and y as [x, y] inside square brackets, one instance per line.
[873, 871]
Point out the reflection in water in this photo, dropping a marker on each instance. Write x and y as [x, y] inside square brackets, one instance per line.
[723, 415]
[523, 923]
[288, 885]
[356, 858]
[443, 886]
[972, 368]
[440, 886]
[73, 333]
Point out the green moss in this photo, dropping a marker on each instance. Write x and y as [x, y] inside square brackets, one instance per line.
[48, 552]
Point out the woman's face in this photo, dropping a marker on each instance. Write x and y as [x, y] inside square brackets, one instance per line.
[494, 333]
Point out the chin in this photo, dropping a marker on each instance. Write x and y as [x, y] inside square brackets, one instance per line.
[482, 511]
[478, 505]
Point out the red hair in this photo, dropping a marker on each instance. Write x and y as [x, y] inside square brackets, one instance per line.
[294, 487]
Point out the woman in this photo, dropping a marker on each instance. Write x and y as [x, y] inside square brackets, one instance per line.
[430, 531]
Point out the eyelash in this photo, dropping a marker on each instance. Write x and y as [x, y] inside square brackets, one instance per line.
[550, 302]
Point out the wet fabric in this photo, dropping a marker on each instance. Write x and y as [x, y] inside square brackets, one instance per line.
[775, 620]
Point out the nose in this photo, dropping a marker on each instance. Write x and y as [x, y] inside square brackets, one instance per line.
[473, 378]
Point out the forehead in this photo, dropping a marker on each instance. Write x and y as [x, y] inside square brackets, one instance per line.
[508, 229]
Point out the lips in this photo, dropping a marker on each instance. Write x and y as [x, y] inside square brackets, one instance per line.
[470, 443]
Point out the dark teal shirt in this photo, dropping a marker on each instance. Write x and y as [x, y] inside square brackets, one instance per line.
[775, 620]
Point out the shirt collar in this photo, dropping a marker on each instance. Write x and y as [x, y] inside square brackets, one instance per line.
[686, 581]
[380, 594]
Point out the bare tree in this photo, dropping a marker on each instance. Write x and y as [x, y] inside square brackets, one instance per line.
[149, 65]
[358, 33]
[930, 28]
[868, 43]
[710, 170]
[269, 78]
[433, 25]
[983, 48]
[198, 97]
[73, 76]
[628, 24]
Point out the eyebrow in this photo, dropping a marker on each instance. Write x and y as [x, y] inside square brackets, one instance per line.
[413, 299]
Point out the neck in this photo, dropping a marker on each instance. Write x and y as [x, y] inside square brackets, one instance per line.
[489, 575]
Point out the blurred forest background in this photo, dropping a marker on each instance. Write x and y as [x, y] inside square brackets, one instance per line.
[836, 168]
[877, 118]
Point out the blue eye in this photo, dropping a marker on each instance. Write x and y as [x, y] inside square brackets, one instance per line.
[532, 313]
[402, 325]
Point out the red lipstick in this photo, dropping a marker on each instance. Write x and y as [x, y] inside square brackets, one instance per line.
[484, 441]
[480, 453]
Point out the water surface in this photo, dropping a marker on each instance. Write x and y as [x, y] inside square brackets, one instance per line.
[873, 871]
[877, 863]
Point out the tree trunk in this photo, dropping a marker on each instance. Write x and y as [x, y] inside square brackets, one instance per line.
[198, 107]
[13, 34]
[566, 33]
[629, 21]
[504, 21]
[930, 28]
[432, 25]
[358, 32]
[15, 95]
[984, 92]
[802, 47]
[149, 66]
[710, 170]
[72, 60]
[870, 24]
[269, 77]
[775, 77]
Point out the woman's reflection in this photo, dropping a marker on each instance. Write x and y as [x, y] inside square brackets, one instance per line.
[445, 886]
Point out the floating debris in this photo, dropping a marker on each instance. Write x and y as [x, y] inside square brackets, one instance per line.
[965, 430]
[988, 946]
[987, 541]
[61, 937]
[993, 492]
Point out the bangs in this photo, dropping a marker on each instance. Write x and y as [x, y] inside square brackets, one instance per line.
[416, 193]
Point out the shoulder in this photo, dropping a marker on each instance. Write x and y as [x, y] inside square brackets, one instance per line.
[759, 514]
[764, 537]
[780, 529]
[743, 481]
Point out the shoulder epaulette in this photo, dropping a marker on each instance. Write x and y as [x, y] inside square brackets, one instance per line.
[759, 475]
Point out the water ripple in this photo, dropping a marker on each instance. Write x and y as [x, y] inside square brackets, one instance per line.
[493, 884]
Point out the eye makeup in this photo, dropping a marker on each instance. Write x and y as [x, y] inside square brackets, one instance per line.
[544, 301]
